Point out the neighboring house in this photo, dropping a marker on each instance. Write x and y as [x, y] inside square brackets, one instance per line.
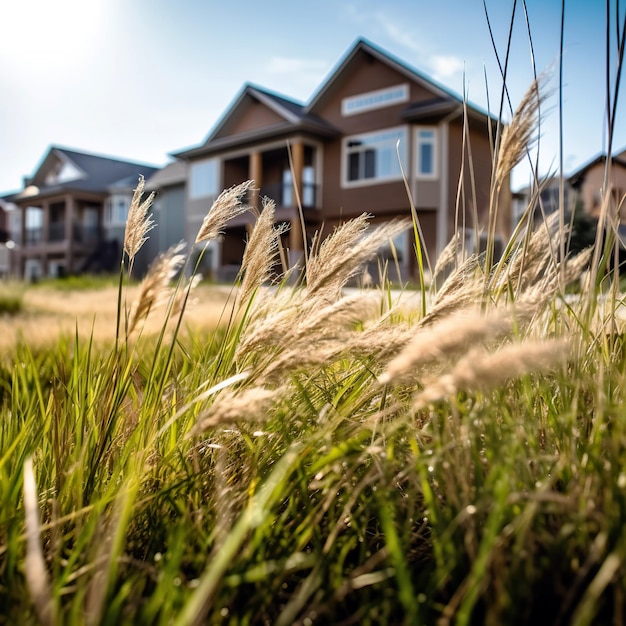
[7, 227]
[72, 213]
[339, 155]
[588, 182]
[544, 198]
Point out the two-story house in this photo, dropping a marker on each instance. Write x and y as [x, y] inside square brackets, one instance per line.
[344, 153]
[72, 214]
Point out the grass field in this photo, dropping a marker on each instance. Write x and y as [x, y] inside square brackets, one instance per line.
[308, 455]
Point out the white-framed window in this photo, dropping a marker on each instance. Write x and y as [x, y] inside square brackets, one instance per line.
[426, 152]
[203, 178]
[308, 187]
[373, 157]
[375, 99]
[116, 210]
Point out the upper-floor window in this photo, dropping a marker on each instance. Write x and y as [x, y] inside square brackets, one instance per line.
[374, 156]
[375, 99]
[426, 152]
[203, 178]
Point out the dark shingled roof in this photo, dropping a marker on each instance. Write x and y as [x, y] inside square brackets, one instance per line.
[99, 173]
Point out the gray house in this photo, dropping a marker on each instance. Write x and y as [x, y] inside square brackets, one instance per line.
[72, 214]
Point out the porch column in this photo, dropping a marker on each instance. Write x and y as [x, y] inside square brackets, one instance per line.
[255, 173]
[69, 235]
[45, 222]
[22, 241]
[45, 236]
[296, 242]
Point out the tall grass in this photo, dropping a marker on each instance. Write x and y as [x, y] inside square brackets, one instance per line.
[324, 457]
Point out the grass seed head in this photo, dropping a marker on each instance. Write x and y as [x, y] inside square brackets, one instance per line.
[139, 223]
[227, 206]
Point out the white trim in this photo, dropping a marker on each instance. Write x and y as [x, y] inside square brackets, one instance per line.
[442, 209]
[377, 99]
[436, 167]
[375, 180]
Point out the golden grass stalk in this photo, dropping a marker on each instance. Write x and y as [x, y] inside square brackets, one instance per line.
[37, 579]
[464, 288]
[517, 137]
[139, 223]
[482, 370]
[446, 258]
[154, 288]
[232, 406]
[451, 336]
[342, 254]
[261, 251]
[227, 206]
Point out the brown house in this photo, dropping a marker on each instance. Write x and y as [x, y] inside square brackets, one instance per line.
[343, 154]
[72, 213]
[588, 181]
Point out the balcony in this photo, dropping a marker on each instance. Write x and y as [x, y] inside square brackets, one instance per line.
[85, 235]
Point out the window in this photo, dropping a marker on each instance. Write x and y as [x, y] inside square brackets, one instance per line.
[308, 187]
[287, 187]
[426, 145]
[374, 156]
[203, 179]
[375, 99]
[116, 210]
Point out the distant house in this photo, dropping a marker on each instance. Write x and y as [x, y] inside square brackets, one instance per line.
[342, 154]
[72, 213]
[544, 197]
[588, 182]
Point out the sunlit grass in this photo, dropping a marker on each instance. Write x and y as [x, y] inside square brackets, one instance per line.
[302, 454]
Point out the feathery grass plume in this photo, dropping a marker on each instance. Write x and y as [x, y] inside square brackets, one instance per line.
[479, 369]
[532, 257]
[154, 288]
[181, 295]
[37, 579]
[227, 206]
[139, 223]
[447, 257]
[231, 406]
[382, 341]
[449, 337]
[517, 137]
[261, 251]
[341, 254]
[462, 289]
[289, 320]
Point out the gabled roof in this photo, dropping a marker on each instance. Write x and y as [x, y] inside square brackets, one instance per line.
[577, 177]
[93, 173]
[174, 173]
[441, 95]
[293, 114]
[298, 116]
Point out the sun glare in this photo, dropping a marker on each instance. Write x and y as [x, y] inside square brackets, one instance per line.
[47, 34]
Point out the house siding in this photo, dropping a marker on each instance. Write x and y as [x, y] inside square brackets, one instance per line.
[253, 115]
[251, 142]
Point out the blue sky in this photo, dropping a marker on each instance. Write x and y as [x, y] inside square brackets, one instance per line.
[142, 78]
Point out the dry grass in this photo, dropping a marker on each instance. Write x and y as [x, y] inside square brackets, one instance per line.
[49, 314]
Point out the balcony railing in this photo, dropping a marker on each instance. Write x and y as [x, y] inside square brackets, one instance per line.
[284, 195]
[56, 234]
